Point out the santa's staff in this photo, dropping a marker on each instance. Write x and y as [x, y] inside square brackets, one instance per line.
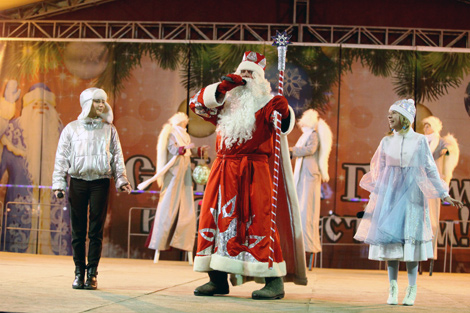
[281, 40]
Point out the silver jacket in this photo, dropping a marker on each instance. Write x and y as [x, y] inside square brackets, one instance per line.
[89, 149]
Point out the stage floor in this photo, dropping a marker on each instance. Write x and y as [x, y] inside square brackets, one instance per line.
[40, 283]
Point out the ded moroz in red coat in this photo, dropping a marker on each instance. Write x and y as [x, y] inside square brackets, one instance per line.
[235, 218]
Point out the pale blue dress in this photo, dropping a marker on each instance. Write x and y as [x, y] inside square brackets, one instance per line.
[396, 221]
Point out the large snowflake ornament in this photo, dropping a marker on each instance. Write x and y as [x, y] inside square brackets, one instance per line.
[293, 83]
[281, 39]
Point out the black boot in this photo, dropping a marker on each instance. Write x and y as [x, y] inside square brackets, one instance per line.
[91, 281]
[79, 278]
[274, 289]
[218, 285]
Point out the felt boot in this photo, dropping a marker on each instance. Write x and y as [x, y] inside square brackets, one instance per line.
[218, 285]
[274, 289]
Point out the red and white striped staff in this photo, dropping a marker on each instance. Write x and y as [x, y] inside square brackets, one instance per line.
[281, 40]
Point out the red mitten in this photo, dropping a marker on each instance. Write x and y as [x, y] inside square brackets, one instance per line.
[226, 85]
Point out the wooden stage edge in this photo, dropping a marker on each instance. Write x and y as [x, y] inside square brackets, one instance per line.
[43, 283]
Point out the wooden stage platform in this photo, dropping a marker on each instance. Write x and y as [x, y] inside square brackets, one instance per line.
[41, 283]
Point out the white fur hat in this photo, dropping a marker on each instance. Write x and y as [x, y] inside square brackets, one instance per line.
[309, 119]
[86, 100]
[178, 118]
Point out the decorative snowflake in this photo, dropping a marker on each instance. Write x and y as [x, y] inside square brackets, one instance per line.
[293, 83]
[281, 39]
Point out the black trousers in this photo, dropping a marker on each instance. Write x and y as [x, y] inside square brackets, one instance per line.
[81, 194]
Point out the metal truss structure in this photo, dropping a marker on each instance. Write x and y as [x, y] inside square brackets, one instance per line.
[302, 34]
[45, 9]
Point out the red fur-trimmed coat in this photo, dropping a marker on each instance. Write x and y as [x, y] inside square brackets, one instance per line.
[235, 219]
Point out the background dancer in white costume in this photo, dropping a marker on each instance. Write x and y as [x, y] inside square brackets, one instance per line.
[175, 218]
[445, 151]
[311, 151]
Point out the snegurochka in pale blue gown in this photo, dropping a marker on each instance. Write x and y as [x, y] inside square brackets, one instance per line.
[396, 222]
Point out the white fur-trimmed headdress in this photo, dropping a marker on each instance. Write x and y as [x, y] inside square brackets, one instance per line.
[162, 143]
[434, 122]
[178, 118]
[452, 159]
[311, 119]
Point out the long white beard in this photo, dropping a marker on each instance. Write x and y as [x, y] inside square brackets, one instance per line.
[41, 134]
[236, 122]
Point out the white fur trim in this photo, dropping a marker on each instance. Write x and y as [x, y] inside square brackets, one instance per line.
[100, 94]
[108, 115]
[12, 148]
[209, 97]
[326, 141]
[264, 100]
[451, 160]
[309, 119]
[7, 109]
[293, 200]
[251, 66]
[86, 107]
[162, 146]
[177, 118]
[434, 122]
[292, 121]
[202, 264]
[229, 265]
